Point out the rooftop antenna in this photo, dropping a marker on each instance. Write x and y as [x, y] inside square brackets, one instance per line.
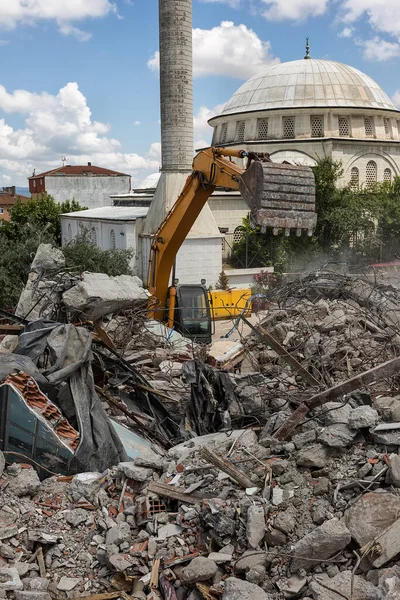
[63, 160]
[307, 56]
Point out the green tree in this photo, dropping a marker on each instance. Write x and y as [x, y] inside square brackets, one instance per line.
[81, 254]
[223, 281]
[42, 213]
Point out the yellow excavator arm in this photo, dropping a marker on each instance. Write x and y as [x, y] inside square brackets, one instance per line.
[210, 170]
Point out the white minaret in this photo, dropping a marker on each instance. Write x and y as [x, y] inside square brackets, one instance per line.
[201, 254]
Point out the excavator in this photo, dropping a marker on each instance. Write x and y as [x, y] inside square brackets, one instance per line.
[280, 196]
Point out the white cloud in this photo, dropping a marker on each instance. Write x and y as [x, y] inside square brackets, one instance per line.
[136, 123]
[202, 130]
[57, 125]
[295, 10]
[379, 50]
[64, 13]
[383, 15]
[346, 32]
[229, 50]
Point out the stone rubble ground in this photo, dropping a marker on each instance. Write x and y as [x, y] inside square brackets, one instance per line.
[320, 519]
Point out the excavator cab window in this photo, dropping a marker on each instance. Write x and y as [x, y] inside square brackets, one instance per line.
[193, 317]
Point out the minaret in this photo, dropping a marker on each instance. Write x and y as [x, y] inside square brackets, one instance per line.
[201, 254]
[307, 56]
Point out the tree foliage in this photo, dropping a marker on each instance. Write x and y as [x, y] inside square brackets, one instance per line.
[81, 254]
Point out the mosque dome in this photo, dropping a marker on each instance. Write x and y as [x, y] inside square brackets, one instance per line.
[308, 83]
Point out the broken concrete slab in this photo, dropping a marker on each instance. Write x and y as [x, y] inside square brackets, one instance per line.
[313, 457]
[255, 529]
[374, 512]
[26, 483]
[363, 417]
[199, 569]
[320, 544]
[337, 436]
[97, 295]
[132, 471]
[66, 584]
[10, 580]
[394, 470]
[387, 545]
[325, 588]
[237, 589]
[250, 559]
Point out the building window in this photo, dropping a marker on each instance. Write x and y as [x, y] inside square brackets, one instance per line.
[262, 129]
[240, 131]
[1, 211]
[354, 178]
[344, 129]
[224, 133]
[386, 124]
[94, 236]
[69, 234]
[288, 127]
[370, 174]
[238, 234]
[368, 126]
[34, 183]
[113, 240]
[41, 182]
[387, 175]
[317, 126]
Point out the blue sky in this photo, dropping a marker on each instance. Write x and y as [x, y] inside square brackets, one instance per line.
[75, 78]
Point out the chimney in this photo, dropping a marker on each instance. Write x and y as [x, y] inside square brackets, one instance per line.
[89, 164]
[176, 85]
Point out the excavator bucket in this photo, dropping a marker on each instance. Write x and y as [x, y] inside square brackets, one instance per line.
[280, 196]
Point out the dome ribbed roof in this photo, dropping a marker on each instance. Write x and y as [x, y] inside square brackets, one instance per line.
[307, 83]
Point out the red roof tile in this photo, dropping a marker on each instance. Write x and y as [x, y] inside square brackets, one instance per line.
[9, 199]
[79, 170]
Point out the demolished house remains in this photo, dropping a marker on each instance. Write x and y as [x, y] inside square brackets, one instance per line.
[136, 465]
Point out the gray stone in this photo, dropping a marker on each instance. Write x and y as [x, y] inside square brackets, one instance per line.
[389, 545]
[149, 459]
[388, 407]
[324, 541]
[66, 584]
[32, 595]
[8, 531]
[118, 534]
[219, 557]
[199, 569]
[26, 483]
[364, 518]
[337, 436]
[9, 579]
[304, 439]
[363, 417]
[250, 559]
[132, 471]
[75, 517]
[313, 457]
[97, 294]
[292, 586]
[362, 590]
[274, 537]
[237, 589]
[22, 568]
[121, 562]
[38, 584]
[6, 551]
[322, 486]
[85, 485]
[389, 583]
[335, 321]
[2, 463]
[279, 466]
[394, 470]
[335, 412]
[255, 529]
[285, 521]
[256, 574]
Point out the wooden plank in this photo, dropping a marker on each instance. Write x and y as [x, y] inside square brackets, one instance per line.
[227, 467]
[169, 491]
[11, 329]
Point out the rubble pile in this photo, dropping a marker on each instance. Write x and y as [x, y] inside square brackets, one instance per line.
[156, 475]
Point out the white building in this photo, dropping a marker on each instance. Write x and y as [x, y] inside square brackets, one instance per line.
[91, 186]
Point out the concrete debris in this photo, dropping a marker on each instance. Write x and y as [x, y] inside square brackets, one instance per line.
[206, 497]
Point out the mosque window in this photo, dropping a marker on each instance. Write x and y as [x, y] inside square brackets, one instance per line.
[317, 126]
[387, 175]
[368, 126]
[344, 128]
[113, 241]
[262, 129]
[69, 235]
[240, 131]
[238, 234]
[354, 178]
[224, 132]
[370, 174]
[288, 127]
[386, 124]
[94, 236]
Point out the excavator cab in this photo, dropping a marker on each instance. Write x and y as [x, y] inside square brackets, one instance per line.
[192, 314]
